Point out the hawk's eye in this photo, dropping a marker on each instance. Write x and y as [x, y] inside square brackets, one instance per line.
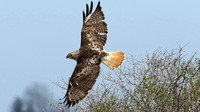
[70, 55]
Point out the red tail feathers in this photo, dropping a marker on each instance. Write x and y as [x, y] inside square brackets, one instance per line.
[115, 59]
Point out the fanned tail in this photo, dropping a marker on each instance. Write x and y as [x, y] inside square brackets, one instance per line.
[114, 60]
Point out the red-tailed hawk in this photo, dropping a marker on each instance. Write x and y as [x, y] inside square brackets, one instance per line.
[90, 55]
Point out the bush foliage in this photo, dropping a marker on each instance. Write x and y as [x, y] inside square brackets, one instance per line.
[164, 81]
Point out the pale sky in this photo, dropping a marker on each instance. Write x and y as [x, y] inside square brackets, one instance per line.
[36, 36]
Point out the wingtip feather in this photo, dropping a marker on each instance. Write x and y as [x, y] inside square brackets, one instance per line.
[91, 7]
[83, 15]
[87, 10]
[98, 6]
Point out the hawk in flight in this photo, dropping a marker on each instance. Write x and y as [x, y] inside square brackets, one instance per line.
[90, 55]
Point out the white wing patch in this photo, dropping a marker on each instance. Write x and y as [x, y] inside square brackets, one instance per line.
[95, 47]
[92, 61]
[88, 17]
[103, 34]
[83, 71]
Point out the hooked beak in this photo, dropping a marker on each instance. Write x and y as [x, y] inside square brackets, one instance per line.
[67, 56]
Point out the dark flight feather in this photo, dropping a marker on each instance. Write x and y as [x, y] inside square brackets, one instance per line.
[83, 16]
[87, 10]
[91, 7]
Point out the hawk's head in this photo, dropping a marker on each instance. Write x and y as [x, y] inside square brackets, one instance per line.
[73, 55]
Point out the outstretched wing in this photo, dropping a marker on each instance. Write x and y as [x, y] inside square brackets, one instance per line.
[84, 76]
[94, 31]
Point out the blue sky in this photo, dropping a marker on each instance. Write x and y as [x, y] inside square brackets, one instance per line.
[36, 35]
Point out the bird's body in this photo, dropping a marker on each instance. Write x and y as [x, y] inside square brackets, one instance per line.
[90, 55]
